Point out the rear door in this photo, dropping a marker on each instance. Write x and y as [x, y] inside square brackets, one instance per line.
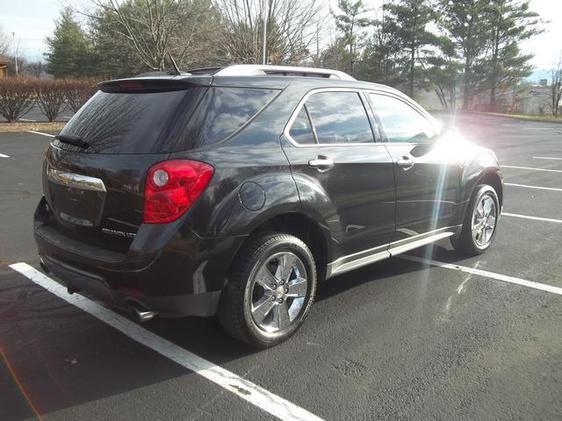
[94, 174]
[427, 179]
[341, 171]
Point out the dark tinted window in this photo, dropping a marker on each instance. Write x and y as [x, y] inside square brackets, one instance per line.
[222, 111]
[301, 130]
[131, 122]
[402, 123]
[339, 117]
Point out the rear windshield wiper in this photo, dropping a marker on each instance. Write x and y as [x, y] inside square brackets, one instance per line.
[72, 140]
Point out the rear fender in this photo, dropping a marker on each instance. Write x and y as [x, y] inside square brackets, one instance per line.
[253, 203]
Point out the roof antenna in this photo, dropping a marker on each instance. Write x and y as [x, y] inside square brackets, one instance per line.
[176, 68]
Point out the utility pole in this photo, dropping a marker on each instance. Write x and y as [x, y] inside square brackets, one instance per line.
[15, 52]
[264, 50]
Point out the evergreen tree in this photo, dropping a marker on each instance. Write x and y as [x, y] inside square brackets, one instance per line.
[381, 57]
[409, 21]
[336, 55]
[444, 72]
[69, 52]
[467, 23]
[350, 23]
[512, 22]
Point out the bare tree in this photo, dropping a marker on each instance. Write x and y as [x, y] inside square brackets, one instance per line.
[4, 42]
[153, 29]
[16, 97]
[78, 91]
[50, 96]
[293, 28]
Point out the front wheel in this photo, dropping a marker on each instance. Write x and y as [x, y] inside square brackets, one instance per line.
[270, 291]
[480, 222]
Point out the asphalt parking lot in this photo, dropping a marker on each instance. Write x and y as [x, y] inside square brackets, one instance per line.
[398, 339]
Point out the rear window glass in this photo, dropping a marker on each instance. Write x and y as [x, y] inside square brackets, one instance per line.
[223, 111]
[132, 122]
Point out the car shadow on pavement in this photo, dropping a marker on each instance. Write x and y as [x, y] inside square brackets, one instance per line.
[205, 337]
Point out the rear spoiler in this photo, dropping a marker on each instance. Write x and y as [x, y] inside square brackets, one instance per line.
[153, 84]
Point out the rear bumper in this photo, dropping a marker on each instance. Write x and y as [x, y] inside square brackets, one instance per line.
[168, 268]
[203, 304]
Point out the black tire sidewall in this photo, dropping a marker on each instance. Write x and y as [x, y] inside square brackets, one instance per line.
[238, 305]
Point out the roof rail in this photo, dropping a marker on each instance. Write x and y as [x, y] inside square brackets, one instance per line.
[263, 70]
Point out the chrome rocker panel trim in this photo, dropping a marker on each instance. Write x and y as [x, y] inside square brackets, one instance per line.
[386, 251]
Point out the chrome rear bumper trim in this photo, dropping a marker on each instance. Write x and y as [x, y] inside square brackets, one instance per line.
[78, 181]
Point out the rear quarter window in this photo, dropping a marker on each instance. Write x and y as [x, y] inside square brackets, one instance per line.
[222, 112]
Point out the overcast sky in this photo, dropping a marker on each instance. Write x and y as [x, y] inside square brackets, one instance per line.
[33, 20]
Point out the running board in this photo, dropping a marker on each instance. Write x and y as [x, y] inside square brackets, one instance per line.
[336, 268]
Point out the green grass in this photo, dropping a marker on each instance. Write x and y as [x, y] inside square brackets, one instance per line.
[547, 118]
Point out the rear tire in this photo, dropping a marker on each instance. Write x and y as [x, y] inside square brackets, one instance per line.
[480, 222]
[271, 288]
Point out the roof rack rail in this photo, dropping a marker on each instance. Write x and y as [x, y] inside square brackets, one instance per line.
[262, 70]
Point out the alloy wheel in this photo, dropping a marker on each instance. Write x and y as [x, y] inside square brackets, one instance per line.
[484, 220]
[278, 292]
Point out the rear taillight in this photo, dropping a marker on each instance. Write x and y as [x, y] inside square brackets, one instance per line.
[172, 187]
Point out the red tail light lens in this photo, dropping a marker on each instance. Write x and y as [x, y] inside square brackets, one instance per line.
[172, 187]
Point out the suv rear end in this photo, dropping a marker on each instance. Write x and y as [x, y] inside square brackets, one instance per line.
[129, 188]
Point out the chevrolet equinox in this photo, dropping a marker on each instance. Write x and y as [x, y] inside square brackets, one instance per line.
[234, 191]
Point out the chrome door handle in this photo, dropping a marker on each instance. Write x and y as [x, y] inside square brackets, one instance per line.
[321, 163]
[405, 163]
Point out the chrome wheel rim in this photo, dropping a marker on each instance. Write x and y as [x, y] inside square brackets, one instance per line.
[484, 220]
[278, 292]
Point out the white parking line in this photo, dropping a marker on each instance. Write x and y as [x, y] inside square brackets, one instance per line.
[547, 157]
[252, 393]
[4, 156]
[532, 187]
[40, 133]
[535, 218]
[487, 274]
[529, 168]
[27, 119]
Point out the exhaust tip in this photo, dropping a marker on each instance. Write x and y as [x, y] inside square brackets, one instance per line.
[144, 315]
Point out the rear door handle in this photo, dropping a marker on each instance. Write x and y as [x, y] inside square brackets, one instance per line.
[321, 163]
[406, 163]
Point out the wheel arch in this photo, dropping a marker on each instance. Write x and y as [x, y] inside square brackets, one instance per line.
[301, 226]
[493, 178]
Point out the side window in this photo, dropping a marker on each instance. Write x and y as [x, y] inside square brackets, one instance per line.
[400, 122]
[301, 130]
[222, 111]
[339, 117]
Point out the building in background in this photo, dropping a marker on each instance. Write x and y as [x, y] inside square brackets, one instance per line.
[4, 62]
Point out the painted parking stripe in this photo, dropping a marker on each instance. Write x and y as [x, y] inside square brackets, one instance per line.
[252, 393]
[547, 157]
[40, 133]
[4, 156]
[534, 218]
[532, 187]
[529, 168]
[487, 274]
[27, 119]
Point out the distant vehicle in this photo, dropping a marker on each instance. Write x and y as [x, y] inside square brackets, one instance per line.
[234, 191]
